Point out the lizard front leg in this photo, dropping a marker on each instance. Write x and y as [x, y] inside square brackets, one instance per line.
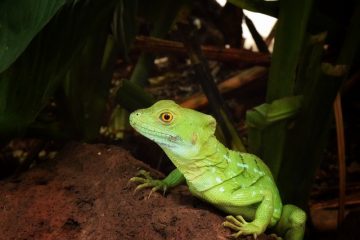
[143, 177]
[245, 198]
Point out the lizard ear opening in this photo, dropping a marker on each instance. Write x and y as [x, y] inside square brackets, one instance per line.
[211, 124]
[208, 127]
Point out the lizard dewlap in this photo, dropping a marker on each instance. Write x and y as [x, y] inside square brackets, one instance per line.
[238, 183]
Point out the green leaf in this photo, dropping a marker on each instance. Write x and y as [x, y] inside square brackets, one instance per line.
[20, 21]
[268, 113]
[27, 86]
[132, 97]
[290, 36]
[86, 87]
[125, 24]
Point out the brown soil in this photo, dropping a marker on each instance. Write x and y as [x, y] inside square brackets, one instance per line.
[85, 194]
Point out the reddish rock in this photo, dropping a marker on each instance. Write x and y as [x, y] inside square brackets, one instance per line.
[85, 194]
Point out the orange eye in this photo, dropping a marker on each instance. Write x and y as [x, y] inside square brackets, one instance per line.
[166, 117]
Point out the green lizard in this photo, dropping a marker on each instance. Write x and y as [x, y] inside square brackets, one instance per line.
[240, 184]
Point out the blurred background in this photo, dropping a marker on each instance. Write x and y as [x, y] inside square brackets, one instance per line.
[280, 77]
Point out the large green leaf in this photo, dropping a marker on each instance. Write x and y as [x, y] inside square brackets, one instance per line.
[261, 117]
[86, 87]
[20, 21]
[290, 36]
[31, 81]
[87, 82]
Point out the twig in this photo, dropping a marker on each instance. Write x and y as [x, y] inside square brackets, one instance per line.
[334, 203]
[199, 99]
[202, 72]
[259, 41]
[341, 157]
[156, 45]
[271, 35]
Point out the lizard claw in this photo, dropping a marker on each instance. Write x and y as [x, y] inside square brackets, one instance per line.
[142, 174]
[236, 235]
[144, 178]
[159, 187]
[276, 236]
[154, 189]
[141, 186]
[241, 226]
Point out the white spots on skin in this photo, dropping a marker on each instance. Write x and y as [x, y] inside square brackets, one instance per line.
[219, 180]
[242, 165]
[260, 172]
[227, 158]
[222, 189]
[232, 173]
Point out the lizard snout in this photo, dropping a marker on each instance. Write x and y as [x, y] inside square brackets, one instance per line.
[134, 116]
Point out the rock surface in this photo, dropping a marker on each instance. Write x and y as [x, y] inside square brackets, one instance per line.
[85, 194]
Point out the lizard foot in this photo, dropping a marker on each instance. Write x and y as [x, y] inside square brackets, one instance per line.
[143, 177]
[242, 227]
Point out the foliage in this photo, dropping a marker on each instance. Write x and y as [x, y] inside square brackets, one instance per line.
[51, 60]
[19, 23]
[292, 147]
[307, 139]
[51, 50]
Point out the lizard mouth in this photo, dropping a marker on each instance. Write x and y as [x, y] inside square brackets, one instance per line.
[156, 135]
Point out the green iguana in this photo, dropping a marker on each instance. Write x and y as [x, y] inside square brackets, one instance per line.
[238, 183]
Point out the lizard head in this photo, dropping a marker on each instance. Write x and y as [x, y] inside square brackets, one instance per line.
[180, 131]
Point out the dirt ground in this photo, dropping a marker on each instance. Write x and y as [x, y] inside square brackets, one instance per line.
[85, 194]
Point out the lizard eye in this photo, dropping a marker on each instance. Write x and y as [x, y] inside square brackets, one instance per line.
[166, 117]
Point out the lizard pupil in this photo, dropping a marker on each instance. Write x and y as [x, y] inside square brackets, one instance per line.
[166, 117]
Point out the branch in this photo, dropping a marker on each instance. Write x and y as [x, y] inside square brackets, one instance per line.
[243, 78]
[156, 45]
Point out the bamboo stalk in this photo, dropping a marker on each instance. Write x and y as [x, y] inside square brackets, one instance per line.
[156, 45]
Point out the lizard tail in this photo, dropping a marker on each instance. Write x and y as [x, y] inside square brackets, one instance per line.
[292, 223]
